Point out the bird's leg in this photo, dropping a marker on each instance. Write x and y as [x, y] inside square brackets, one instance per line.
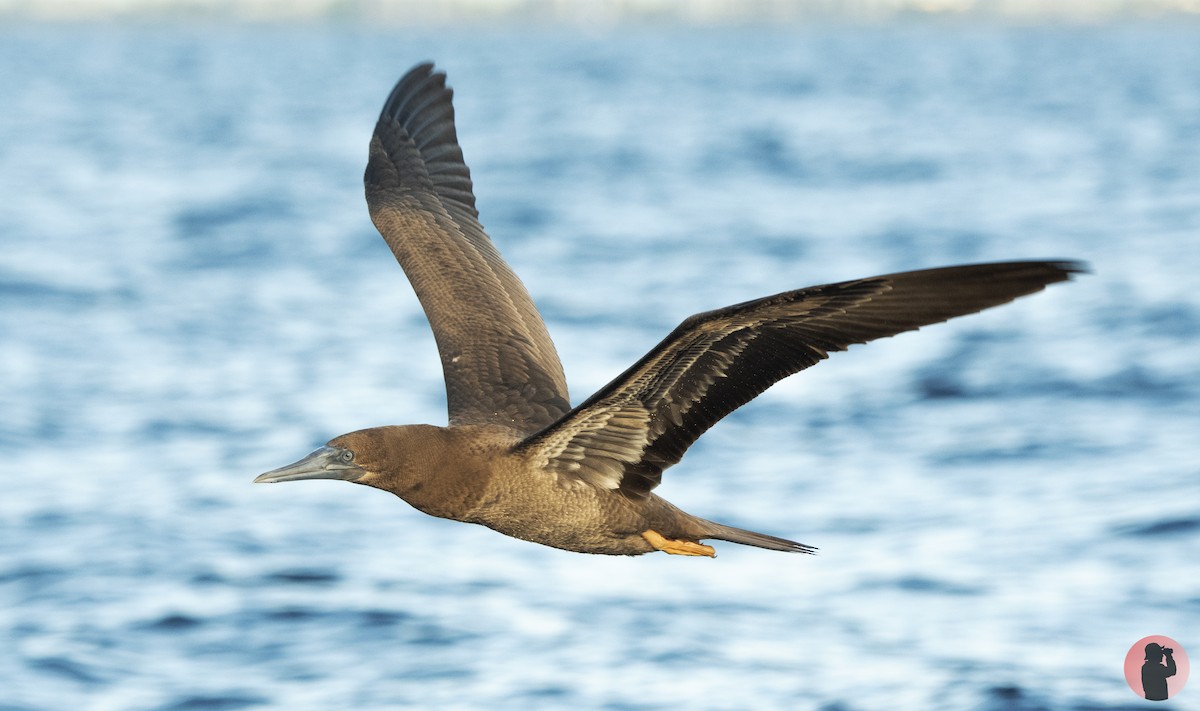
[674, 547]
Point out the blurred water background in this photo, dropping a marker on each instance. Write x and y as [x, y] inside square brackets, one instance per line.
[191, 293]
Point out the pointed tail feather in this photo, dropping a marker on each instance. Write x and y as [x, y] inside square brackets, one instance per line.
[722, 532]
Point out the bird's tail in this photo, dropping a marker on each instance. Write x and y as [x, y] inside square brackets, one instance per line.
[722, 532]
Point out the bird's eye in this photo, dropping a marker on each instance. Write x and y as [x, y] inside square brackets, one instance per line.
[347, 456]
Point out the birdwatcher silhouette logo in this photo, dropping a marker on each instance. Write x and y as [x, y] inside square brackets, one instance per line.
[1155, 673]
[1156, 668]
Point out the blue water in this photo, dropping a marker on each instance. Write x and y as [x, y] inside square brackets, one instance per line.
[191, 293]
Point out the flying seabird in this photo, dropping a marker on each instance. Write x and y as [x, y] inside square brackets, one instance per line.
[516, 457]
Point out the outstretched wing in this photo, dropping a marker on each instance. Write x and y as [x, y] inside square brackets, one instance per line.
[713, 363]
[499, 362]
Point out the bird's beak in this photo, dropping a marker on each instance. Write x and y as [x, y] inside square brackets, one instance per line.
[325, 463]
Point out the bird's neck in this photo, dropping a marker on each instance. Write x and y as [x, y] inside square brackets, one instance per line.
[442, 471]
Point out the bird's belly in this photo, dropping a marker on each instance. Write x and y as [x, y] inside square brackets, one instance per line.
[573, 519]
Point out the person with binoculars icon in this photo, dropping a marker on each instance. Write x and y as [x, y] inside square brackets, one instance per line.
[1155, 673]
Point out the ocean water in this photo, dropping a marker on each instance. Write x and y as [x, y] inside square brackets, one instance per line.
[191, 293]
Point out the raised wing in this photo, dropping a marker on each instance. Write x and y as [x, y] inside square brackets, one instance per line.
[625, 435]
[499, 362]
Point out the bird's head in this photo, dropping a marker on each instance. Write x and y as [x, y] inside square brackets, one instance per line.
[359, 457]
[376, 457]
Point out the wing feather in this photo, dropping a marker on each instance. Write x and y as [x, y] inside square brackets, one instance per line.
[717, 361]
[498, 360]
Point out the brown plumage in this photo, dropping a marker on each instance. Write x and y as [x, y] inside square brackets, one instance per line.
[516, 457]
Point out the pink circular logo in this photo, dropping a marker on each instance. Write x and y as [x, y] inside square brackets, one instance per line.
[1156, 667]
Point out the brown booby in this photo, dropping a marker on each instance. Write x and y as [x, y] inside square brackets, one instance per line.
[516, 457]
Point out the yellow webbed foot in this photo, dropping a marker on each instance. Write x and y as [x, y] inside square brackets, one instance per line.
[674, 547]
